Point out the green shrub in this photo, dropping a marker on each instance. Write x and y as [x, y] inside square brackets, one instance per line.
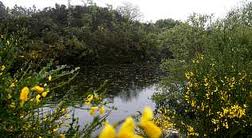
[210, 95]
[26, 93]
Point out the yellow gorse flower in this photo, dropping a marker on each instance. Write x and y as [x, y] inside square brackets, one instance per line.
[128, 127]
[2, 68]
[44, 94]
[49, 78]
[193, 103]
[12, 105]
[188, 75]
[191, 131]
[38, 98]
[163, 121]
[12, 85]
[93, 110]
[148, 125]
[102, 110]
[147, 114]
[126, 130]
[24, 94]
[108, 131]
[89, 99]
[38, 89]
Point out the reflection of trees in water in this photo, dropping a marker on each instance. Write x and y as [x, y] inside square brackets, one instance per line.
[128, 95]
[124, 81]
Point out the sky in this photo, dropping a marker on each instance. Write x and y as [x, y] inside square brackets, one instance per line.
[151, 10]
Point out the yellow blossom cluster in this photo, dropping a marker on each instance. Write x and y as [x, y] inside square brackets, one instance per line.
[163, 122]
[189, 99]
[189, 74]
[204, 89]
[93, 109]
[191, 131]
[234, 111]
[89, 99]
[13, 83]
[42, 92]
[24, 94]
[231, 112]
[127, 128]
[211, 87]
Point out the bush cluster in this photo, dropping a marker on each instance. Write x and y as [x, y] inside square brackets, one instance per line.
[208, 90]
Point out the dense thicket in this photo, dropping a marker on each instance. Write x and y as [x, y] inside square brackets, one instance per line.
[208, 90]
[84, 35]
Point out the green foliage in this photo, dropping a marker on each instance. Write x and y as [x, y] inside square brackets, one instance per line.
[27, 97]
[187, 39]
[86, 35]
[208, 92]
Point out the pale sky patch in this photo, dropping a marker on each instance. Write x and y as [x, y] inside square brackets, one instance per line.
[152, 9]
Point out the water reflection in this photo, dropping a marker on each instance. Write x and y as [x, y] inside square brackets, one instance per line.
[131, 106]
[123, 81]
[125, 108]
[129, 88]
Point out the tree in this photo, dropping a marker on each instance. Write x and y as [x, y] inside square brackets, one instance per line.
[166, 23]
[3, 11]
[130, 11]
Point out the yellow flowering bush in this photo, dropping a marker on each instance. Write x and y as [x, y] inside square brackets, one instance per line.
[25, 94]
[208, 93]
[95, 103]
[212, 102]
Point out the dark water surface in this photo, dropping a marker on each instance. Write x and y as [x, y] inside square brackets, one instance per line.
[129, 88]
